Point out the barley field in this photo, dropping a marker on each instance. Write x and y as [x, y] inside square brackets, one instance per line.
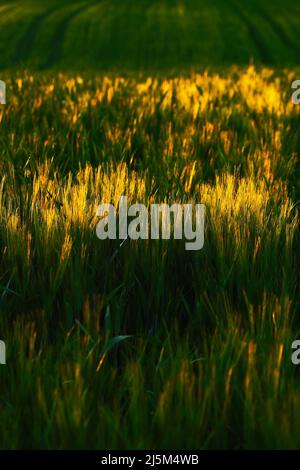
[144, 345]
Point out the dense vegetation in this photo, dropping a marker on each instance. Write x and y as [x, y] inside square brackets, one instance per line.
[148, 345]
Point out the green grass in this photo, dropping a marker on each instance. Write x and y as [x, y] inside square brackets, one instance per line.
[148, 35]
[148, 345]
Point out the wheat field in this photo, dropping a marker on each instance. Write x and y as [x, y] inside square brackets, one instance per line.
[146, 345]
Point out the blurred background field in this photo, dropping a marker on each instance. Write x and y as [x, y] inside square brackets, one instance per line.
[148, 34]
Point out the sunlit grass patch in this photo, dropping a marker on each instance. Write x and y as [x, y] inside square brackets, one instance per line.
[146, 345]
